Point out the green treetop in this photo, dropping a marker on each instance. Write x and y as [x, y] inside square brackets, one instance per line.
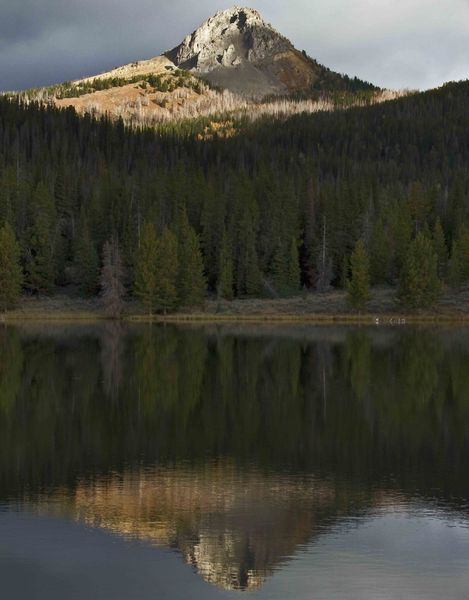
[191, 282]
[225, 273]
[11, 274]
[359, 284]
[146, 283]
[419, 285]
[167, 263]
[459, 267]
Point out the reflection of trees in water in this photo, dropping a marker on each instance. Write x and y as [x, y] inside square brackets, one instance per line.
[354, 401]
[111, 336]
[11, 368]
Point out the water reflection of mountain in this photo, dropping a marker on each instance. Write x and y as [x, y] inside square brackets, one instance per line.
[379, 408]
[234, 525]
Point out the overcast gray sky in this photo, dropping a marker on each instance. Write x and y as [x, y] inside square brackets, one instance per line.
[393, 43]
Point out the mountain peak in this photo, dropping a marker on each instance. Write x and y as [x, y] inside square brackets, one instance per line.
[235, 38]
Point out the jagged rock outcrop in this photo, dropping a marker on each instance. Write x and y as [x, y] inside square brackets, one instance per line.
[237, 50]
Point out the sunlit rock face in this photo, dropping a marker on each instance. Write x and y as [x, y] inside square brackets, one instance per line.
[237, 50]
[228, 39]
[234, 526]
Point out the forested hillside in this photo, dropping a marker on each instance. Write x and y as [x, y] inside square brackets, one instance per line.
[273, 207]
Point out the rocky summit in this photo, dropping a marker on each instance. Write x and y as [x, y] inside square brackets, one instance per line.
[237, 50]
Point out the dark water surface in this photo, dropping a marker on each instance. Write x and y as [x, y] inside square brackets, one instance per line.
[209, 462]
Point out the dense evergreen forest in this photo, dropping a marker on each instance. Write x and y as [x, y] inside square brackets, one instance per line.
[167, 215]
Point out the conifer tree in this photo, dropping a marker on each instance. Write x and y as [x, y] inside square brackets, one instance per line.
[293, 271]
[419, 285]
[459, 266]
[191, 283]
[167, 263]
[401, 234]
[359, 284]
[380, 254]
[11, 274]
[39, 252]
[225, 270]
[248, 276]
[279, 268]
[441, 249]
[146, 283]
[324, 268]
[87, 262]
[345, 272]
[112, 288]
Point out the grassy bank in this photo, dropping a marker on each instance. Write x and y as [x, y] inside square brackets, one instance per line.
[324, 308]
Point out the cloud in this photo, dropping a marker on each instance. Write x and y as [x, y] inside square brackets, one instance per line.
[395, 43]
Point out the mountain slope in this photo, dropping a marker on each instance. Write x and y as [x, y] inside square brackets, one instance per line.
[234, 63]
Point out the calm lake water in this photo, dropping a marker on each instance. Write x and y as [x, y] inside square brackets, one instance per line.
[213, 462]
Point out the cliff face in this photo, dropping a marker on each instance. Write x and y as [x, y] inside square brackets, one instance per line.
[237, 50]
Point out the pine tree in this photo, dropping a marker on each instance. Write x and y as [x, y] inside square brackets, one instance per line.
[167, 264]
[191, 283]
[87, 262]
[40, 265]
[293, 270]
[359, 284]
[459, 266]
[345, 272]
[441, 249]
[279, 268]
[380, 254]
[419, 285]
[401, 234]
[146, 282]
[248, 275]
[420, 206]
[11, 274]
[225, 270]
[324, 268]
[112, 288]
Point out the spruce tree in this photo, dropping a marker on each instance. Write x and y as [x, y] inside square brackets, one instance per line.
[459, 266]
[401, 234]
[87, 262]
[324, 267]
[225, 270]
[441, 249]
[166, 297]
[359, 284]
[293, 268]
[419, 285]
[191, 283]
[112, 288]
[40, 264]
[146, 282]
[279, 268]
[248, 276]
[11, 274]
[380, 254]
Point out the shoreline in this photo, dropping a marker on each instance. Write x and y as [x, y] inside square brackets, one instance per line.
[322, 309]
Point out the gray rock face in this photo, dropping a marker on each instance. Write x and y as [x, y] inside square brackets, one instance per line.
[230, 38]
[237, 50]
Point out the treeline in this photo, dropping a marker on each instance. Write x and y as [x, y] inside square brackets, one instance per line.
[277, 208]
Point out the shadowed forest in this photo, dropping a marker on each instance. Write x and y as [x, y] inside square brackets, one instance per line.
[276, 208]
